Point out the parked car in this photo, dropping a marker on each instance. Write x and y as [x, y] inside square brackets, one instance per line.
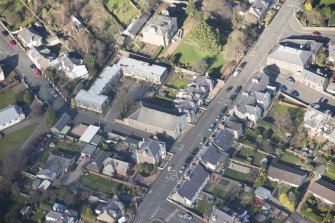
[229, 88]
[12, 42]
[5, 33]
[238, 89]
[182, 168]
[242, 65]
[294, 93]
[236, 73]
[33, 67]
[290, 80]
[188, 216]
[37, 72]
[181, 216]
[283, 88]
[195, 150]
[316, 34]
[170, 168]
[211, 127]
[55, 94]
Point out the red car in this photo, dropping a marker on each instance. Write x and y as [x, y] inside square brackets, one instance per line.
[12, 42]
[37, 72]
[316, 34]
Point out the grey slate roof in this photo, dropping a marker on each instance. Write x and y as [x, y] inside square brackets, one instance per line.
[61, 123]
[135, 27]
[89, 149]
[233, 125]
[10, 113]
[291, 55]
[213, 156]
[29, 34]
[97, 163]
[159, 24]
[191, 186]
[286, 173]
[151, 146]
[260, 7]
[314, 77]
[224, 140]
[323, 189]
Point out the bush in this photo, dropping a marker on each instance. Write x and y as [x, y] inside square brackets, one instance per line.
[146, 169]
[50, 117]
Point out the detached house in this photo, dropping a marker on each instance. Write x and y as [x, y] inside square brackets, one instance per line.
[159, 30]
[323, 190]
[30, 37]
[73, 67]
[150, 151]
[10, 116]
[224, 140]
[214, 159]
[286, 175]
[110, 212]
[193, 184]
[114, 166]
[41, 57]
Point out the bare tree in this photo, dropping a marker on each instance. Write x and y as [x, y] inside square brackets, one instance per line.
[236, 45]
[11, 164]
[283, 122]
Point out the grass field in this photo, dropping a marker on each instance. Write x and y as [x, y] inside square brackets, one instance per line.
[123, 9]
[256, 156]
[16, 139]
[218, 192]
[102, 185]
[179, 83]
[289, 158]
[235, 175]
[7, 98]
[330, 173]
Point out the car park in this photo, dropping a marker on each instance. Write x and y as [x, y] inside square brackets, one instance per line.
[181, 216]
[182, 168]
[290, 80]
[236, 73]
[170, 168]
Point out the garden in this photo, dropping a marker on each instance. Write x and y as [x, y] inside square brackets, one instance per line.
[249, 156]
[316, 211]
[317, 13]
[123, 9]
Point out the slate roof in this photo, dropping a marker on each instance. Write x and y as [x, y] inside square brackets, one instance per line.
[291, 55]
[222, 216]
[213, 156]
[224, 140]
[159, 24]
[61, 123]
[286, 173]
[151, 146]
[260, 7]
[192, 185]
[116, 165]
[323, 189]
[156, 118]
[262, 193]
[233, 125]
[10, 113]
[318, 79]
[97, 163]
[29, 34]
[89, 149]
[136, 25]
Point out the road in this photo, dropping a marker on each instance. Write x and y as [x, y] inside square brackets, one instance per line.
[154, 204]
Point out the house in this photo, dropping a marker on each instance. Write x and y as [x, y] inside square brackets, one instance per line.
[136, 25]
[214, 159]
[235, 127]
[89, 133]
[286, 175]
[150, 151]
[259, 8]
[97, 163]
[98, 97]
[331, 52]
[88, 150]
[77, 131]
[323, 190]
[114, 166]
[110, 212]
[57, 163]
[320, 123]
[224, 215]
[262, 193]
[143, 70]
[154, 121]
[255, 100]
[224, 140]
[41, 57]
[72, 67]
[61, 213]
[313, 79]
[291, 59]
[188, 107]
[160, 30]
[64, 120]
[77, 23]
[10, 116]
[193, 184]
[29, 37]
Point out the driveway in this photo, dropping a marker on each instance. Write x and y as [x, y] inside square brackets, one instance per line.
[73, 176]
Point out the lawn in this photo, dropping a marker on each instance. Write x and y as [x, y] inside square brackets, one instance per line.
[188, 54]
[16, 139]
[202, 206]
[123, 9]
[326, 2]
[179, 83]
[218, 192]
[235, 175]
[102, 185]
[289, 158]
[256, 156]
[71, 147]
[330, 173]
[7, 98]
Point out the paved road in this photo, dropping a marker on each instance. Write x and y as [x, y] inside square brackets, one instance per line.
[155, 205]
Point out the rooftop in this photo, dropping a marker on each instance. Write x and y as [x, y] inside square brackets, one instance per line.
[315, 77]
[224, 140]
[159, 24]
[151, 146]
[323, 189]
[61, 123]
[291, 55]
[89, 133]
[212, 155]
[137, 24]
[29, 35]
[286, 173]
[10, 113]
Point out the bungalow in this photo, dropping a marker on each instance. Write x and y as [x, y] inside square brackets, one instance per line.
[63, 121]
[114, 166]
[10, 116]
[29, 37]
[323, 190]
[193, 184]
[286, 175]
[150, 151]
[214, 159]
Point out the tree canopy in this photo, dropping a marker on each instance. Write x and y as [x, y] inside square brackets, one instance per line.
[50, 117]
[206, 37]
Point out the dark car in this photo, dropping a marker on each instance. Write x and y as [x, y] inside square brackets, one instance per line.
[238, 89]
[316, 34]
[283, 88]
[33, 67]
[195, 150]
[5, 33]
[290, 80]
[229, 88]
[243, 65]
[294, 93]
